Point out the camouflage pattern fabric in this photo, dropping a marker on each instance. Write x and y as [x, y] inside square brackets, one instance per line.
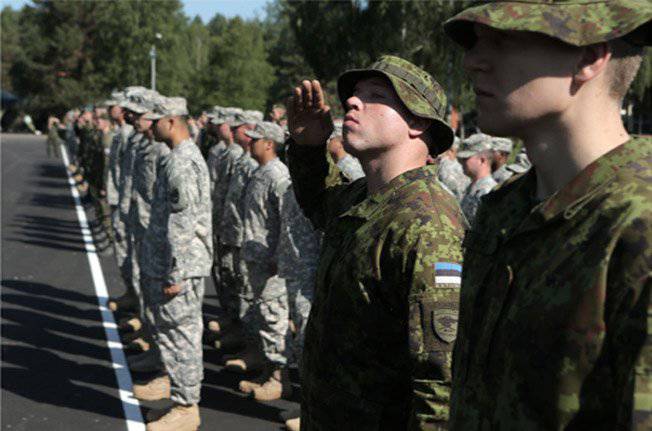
[262, 225]
[231, 232]
[53, 142]
[576, 22]
[502, 174]
[215, 154]
[115, 158]
[474, 193]
[178, 241]
[554, 326]
[417, 89]
[177, 331]
[380, 335]
[351, 168]
[224, 169]
[297, 257]
[451, 174]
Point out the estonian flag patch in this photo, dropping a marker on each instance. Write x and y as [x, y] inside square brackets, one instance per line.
[448, 273]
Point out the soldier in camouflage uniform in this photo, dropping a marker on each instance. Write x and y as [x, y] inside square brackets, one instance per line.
[476, 154]
[379, 339]
[502, 148]
[451, 173]
[148, 157]
[554, 328]
[266, 319]
[224, 168]
[176, 256]
[128, 301]
[236, 295]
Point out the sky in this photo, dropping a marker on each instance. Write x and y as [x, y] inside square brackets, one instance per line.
[206, 9]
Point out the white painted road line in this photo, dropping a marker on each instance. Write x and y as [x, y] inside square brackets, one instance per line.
[130, 405]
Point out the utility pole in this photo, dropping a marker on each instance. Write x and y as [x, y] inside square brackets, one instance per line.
[152, 70]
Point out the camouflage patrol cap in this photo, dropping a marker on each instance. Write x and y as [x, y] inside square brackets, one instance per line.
[267, 130]
[139, 99]
[473, 145]
[417, 89]
[576, 22]
[503, 145]
[167, 107]
[246, 117]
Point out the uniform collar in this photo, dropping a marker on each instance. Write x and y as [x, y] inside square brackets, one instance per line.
[579, 191]
[372, 203]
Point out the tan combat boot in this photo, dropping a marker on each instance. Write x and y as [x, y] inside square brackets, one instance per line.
[139, 345]
[131, 325]
[156, 389]
[276, 387]
[246, 363]
[248, 386]
[126, 302]
[293, 424]
[146, 362]
[177, 418]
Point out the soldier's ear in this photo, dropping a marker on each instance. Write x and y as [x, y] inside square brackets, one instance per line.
[417, 125]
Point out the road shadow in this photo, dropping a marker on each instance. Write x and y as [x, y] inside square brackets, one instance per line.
[54, 349]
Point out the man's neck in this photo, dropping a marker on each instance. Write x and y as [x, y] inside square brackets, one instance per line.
[384, 167]
[562, 149]
[177, 139]
[266, 159]
[482, 175]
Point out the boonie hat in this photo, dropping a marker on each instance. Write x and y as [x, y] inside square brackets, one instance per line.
[417, 89]
[576, 22]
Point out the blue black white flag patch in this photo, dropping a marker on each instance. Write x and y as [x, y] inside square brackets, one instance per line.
[448, 273]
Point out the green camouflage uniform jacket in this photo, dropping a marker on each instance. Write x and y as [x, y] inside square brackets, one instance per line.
[379, 338]
[555, 305]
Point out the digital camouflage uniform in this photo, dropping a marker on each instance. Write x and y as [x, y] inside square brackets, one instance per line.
[451, 174]
[113, 187]
[268, 314]
[177, 249]
[215, 153]
[379, 338]
[237, 296]
[350, 167]
[473, 195]
[297, 257]
[554, 326]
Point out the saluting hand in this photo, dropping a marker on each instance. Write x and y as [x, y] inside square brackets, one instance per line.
[309, 118]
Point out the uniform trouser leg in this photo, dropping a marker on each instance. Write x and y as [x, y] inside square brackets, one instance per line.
[215, 269]
[245, 297]
[300, 294]
[120, 244]
[271, 313]
[230, 279]
[177, 331]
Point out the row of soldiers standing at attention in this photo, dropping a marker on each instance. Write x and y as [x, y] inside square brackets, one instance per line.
[535, 315]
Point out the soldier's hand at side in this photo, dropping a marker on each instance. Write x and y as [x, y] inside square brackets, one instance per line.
[309, 118]
[172, 290]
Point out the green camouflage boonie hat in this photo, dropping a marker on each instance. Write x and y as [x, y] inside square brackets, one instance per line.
[417, 89]
[167, 107]
[267, 130]
[473, 145]
[576, 22]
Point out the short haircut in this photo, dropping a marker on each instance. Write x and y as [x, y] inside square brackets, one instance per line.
[622, 68]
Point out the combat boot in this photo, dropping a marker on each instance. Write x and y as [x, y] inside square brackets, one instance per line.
[126, 302]
[276, 387]
[145, 362]
[177, 418]
[131, 325]
[139, 345]
[155, 389]
[249, 361]
[248, 386]
[293, 424]
[131, 336]
[231, 341]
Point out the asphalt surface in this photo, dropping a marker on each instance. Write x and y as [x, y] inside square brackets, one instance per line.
[57, 372]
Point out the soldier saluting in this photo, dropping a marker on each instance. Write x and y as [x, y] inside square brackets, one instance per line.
[379, 338]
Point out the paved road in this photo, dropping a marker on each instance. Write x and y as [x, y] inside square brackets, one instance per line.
[57, 372]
